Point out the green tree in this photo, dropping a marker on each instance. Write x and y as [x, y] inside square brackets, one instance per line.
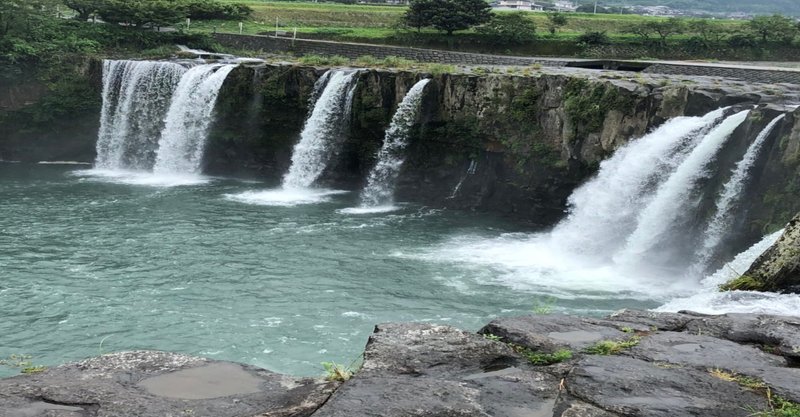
[213, 9]
[510, 28]
[452, 15]
[775, 28]
[707, 33]
[666, 28]
[84, 9]
[418, 14]
[22, 16]
[142, 13]
[555, 20]
[662, 29]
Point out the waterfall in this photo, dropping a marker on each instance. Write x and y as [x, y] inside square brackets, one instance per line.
[184, 136]
[136, 96]
[635, 228]
[709, 300]
[380, 183]
[730, 196]
[322, 129]
[658, 221]
[603, 211]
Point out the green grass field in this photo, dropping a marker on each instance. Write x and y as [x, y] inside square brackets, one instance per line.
[347, 22]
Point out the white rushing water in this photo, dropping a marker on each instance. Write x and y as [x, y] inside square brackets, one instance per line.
[379, 192]
[322, 130]
[136, 96]
[632, 230]
[710, 300]
[603, 211]
[184, 136]
[730, 196]
[154, 121]
[656, 222]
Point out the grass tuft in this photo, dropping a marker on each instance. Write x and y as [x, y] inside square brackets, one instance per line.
[337, 372]
[612, 347]
[743, 283]
[777, 406]
[542, 359]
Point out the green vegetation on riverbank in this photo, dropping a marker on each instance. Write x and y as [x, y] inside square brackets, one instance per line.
[584, 35]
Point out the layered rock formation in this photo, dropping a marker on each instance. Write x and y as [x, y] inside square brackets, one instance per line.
[777, 269]
[512, 141]
[514, 144]
[632, 363]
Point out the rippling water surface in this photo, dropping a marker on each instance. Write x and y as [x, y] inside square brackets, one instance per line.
[92, 262]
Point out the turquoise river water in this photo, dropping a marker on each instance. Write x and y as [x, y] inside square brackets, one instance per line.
[90, 264]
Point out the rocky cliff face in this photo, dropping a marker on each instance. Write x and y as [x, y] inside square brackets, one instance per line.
[516, 144]
[632, 363]
[53, 120]
[777, 269]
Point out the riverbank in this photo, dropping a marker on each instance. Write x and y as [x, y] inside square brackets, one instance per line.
[632, 363]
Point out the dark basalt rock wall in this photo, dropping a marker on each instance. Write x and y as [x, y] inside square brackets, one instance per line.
[51, 121]
[511, 144]
[778, 268]
[674, 365]
[516, 145]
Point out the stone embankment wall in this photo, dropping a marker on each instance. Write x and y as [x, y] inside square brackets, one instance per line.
[746, 74]
[354, 50]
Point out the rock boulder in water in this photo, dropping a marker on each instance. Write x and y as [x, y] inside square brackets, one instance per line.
[777, 269]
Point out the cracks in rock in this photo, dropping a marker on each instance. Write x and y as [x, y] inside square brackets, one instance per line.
[322, 404]
[90, 408]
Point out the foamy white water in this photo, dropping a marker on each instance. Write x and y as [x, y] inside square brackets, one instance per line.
[119, 176]
[285, 197]
[322, 130]
[369, 210]
[710, 300]
[730, 196]
[380, 183]
[575, 260]
[603, 211]
[183, 139]
[671, 199]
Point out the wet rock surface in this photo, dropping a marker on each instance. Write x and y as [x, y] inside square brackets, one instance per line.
[674, 364]
[777, 269]
[428, 370]
[147, 383]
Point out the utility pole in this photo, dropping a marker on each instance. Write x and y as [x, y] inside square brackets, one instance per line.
[595, 6]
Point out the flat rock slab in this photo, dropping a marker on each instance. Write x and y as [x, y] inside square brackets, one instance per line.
[633, 387]
[703, 351]
[522, 393]
[781, 333]
[549, 333]
[424, 349]
[418, 369]
[159, 384]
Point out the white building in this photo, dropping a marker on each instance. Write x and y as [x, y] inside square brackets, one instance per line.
[524, 5]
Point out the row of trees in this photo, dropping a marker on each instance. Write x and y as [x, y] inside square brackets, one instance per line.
[762, 29]
[452, 15]
[143, 13]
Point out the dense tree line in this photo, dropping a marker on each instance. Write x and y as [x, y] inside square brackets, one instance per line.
[143, 13]
[514, 28]
[775, 29]
[447, 15]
